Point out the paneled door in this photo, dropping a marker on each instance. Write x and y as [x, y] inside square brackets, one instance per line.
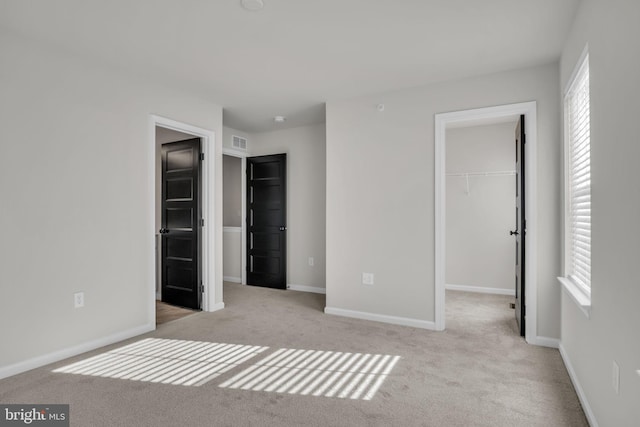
[267, 221]
[521, 227]
[181, 223]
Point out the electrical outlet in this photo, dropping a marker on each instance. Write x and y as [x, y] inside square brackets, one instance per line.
[311, 261]
[367, 278]
[78, 299]
[615, 378]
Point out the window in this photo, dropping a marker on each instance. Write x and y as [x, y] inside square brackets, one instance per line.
[577, 278]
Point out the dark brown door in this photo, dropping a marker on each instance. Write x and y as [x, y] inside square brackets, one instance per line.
[267, 221]
[181, 223]
[521, 227]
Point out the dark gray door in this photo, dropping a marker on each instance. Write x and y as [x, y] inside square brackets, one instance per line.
[181, 227]
[521, 227]
[267, 221]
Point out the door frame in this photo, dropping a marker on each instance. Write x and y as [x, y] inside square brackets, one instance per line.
[242, 155]
[470, 118]
[209, 301]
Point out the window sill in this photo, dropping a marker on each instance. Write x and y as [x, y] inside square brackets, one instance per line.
[577, 295]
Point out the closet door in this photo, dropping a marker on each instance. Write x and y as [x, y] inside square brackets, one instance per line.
[181, 226]
[521, 227]
[266, 221]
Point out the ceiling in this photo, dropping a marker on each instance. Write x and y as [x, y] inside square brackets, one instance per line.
[294, 55]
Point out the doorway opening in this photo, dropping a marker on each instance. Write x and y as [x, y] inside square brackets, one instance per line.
[233, 217]
[166, 132]
[266, 205]
[444, 184]
[481, 177]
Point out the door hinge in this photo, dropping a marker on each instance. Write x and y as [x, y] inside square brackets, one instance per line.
[201, 222]
[201, 156]
[201, 287]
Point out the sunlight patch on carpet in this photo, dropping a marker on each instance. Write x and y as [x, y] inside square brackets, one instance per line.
[166, 361]
[316, 373]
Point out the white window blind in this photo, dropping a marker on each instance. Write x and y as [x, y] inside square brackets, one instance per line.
[579, 179]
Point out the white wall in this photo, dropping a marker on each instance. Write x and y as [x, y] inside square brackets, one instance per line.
[232, 257]
[76, 204]
[232, 207]
[380, 192]
[227, 137]
[232, 191]
[611, 333]
[480, 251]
[305, 149]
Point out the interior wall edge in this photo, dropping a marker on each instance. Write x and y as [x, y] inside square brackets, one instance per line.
[578, 387]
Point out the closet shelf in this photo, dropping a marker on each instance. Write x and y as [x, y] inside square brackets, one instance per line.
[467, 175]
[495, 173]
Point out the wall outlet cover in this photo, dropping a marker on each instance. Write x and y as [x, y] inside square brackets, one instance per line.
[367, 278]
[78, 299]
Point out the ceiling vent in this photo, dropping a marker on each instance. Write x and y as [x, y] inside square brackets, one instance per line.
[239, 142]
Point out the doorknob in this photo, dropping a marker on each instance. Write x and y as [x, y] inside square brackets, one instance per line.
[511, 233]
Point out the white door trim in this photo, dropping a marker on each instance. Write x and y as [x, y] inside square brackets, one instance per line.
[470, 118]
[209, 302]
[243, 206]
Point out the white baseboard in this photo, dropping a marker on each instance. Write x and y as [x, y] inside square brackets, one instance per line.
[545, 342]
[232, 279]
[481, 289]
[216, 307]
[576, 385]
[232, 229]
[36, 362]
[404, 321]
[304, 288]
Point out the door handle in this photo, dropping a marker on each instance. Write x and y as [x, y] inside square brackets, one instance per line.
[164, 230]
[283, 228]
[512, 233]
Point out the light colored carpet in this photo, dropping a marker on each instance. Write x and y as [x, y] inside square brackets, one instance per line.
[477, 373]
[167, 312]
